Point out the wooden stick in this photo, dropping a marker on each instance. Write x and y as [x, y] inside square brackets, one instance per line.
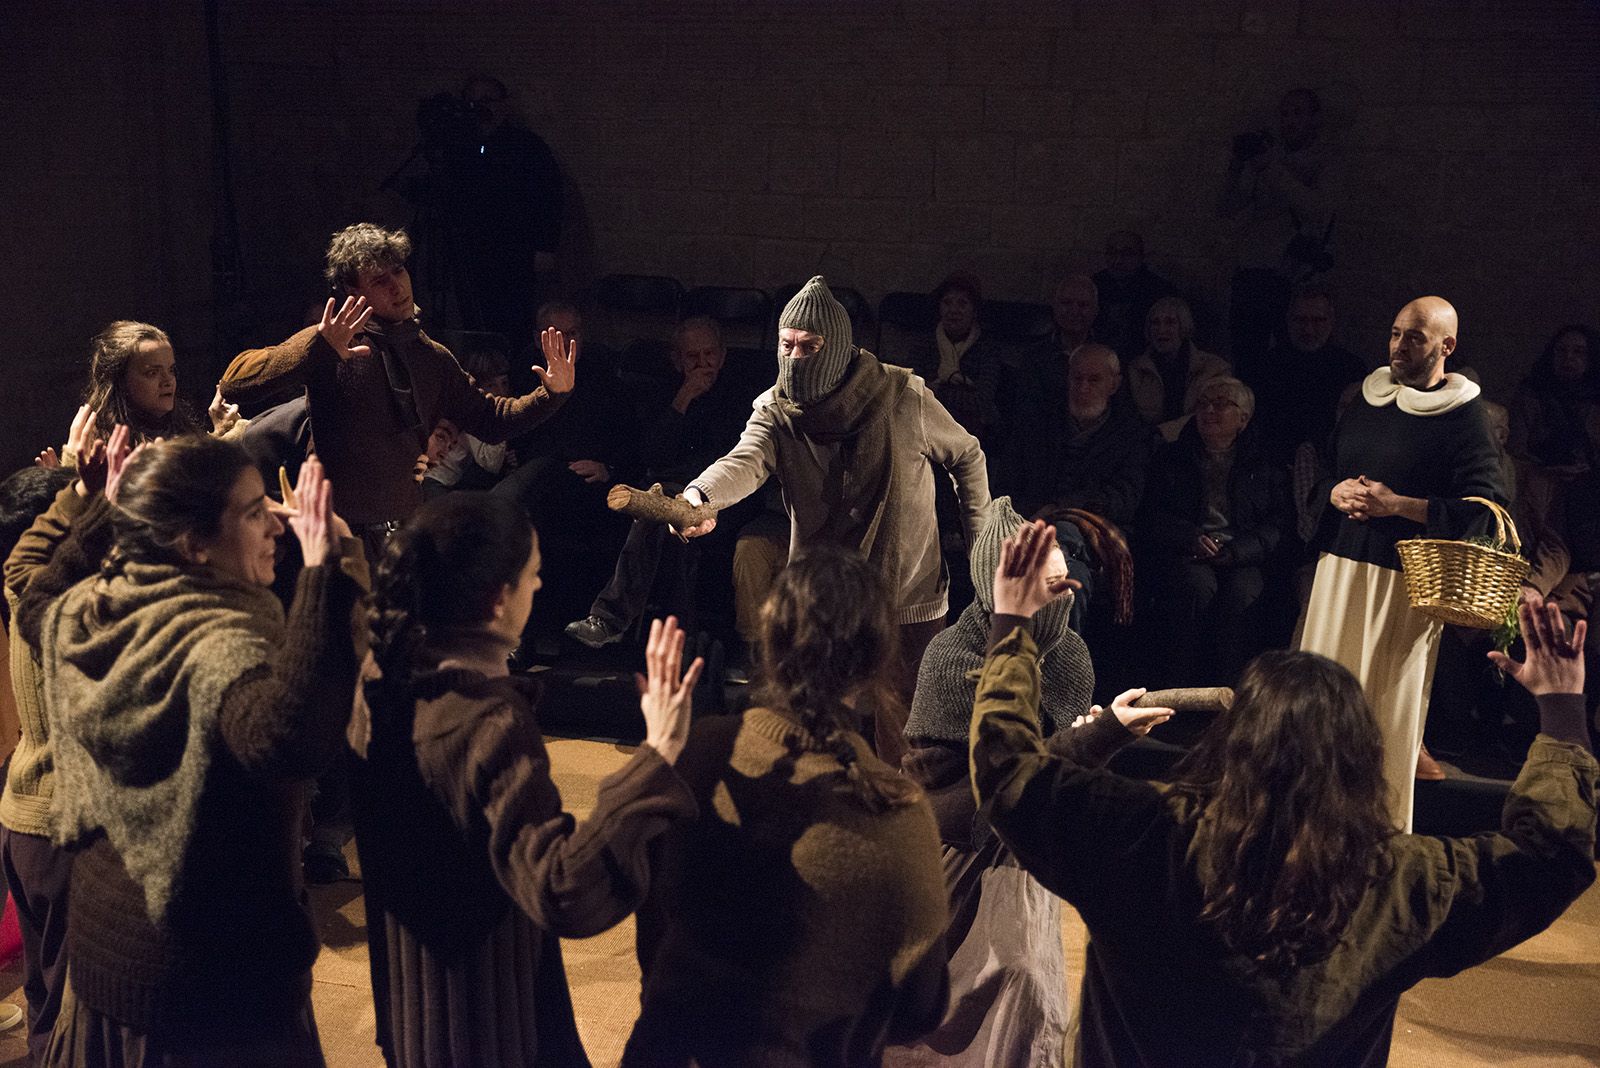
[1189, 699]
[654, 506]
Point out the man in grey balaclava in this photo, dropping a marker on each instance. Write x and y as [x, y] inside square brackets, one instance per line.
[854, 443]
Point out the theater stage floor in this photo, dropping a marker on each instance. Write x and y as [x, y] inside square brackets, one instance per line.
[1537, 1005]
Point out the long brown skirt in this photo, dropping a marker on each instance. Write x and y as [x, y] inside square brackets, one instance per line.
[84, 1038]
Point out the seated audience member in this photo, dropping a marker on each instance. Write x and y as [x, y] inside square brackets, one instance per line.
[1214, 511]
[1555, 418]
[187, 715]
[451, 768]
[471, 464]
[1008, 985]
[684, 435]
[1039, 369]
[36, 872]
[565, 465]
[1085, 449]
[1262, 909]
[956, 357]
[1127, 287]
[799, 920]
[376, 384]
[1164, 381]
[1080, 448]
[1299, 383]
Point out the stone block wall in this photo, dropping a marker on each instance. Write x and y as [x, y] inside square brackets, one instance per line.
[880, 142]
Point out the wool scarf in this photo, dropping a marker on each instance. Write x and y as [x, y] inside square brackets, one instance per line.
[136, 665]
[858, 419]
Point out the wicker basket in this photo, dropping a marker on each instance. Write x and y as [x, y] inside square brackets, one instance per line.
[1462, 583]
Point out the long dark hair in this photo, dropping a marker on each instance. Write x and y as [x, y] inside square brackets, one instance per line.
[441, 572]
[1542, 378]
[113, 349]
[1294, 810]
[827, 638]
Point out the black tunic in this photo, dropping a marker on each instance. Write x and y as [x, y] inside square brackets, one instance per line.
[1441, 457]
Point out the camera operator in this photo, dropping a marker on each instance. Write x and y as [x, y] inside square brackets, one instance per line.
[1281, 197]
[489, 209]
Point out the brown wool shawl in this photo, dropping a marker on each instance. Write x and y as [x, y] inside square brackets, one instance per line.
[857, 418]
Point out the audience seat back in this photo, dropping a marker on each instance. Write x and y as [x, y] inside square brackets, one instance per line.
[904, 322]
[627, 307]
[746, 315]
[1016, 322]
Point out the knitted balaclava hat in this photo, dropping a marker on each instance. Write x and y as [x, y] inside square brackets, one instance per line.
[809, 378]
[1000, 523]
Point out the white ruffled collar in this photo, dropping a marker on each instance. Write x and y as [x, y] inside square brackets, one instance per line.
[1379, 388]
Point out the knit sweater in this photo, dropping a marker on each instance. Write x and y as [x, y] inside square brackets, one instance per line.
[186, 726]
[453, 769]
[1122, 853]
[371, 415]
[924, 435]
[790, 925]
[30, 781]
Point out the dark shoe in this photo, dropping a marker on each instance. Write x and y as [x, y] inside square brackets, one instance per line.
[324, 863]
[594, 632]
[1429, 769]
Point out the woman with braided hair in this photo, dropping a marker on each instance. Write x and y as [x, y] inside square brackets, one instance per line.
[473, 871]
[799, 920]
[188, 715]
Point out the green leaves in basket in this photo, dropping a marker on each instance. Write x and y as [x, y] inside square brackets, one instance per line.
[1509, 630]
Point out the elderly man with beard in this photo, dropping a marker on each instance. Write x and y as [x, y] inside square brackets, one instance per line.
[854, 442]
[1405, 453]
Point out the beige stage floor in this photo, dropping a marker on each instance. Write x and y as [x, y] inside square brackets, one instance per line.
[1537, 1005]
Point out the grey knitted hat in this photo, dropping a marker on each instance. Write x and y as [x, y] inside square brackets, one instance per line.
[814, 309]
[999, 523]
[1002, 521]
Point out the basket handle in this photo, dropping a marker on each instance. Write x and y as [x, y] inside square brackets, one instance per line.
[1505, 526]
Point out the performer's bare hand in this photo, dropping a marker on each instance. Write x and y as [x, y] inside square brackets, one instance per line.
[339, 328]
[560, 356]
[1021, 585]
[1350, 497]
[705, 526]
[1554, 660]
[665, 697]
[590, 470]
[1138, 721]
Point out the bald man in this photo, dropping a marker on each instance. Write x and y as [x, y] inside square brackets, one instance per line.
[1405, 453]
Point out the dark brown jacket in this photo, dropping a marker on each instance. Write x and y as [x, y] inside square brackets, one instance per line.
[369, 423]
[473, 872]
[1160, 989]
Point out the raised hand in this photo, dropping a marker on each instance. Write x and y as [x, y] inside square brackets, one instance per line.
[1021, 586]
[223, 415]
[118, 454]
[312, 521]
[560, 357]
[338, 328]
[1554, 658]
[665, 698]
[47, 458]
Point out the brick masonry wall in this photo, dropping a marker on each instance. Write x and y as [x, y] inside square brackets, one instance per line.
[886, 143]
[105, 198]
